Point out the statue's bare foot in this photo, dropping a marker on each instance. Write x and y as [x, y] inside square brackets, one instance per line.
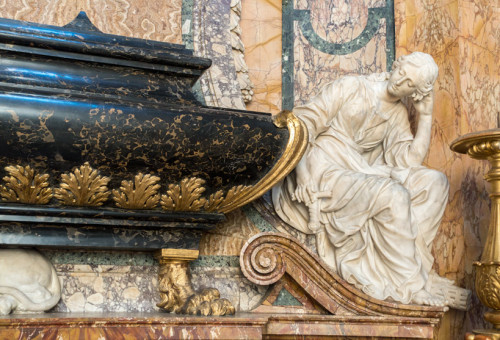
[457, 297]
[423, 297]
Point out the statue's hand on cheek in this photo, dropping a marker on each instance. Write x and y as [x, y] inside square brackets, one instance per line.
[425, 105]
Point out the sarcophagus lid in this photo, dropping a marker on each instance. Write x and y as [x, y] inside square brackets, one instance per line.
[109, 124]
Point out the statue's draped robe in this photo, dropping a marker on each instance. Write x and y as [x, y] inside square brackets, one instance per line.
[382, 214]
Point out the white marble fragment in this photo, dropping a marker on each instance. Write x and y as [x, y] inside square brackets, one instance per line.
[28, 282]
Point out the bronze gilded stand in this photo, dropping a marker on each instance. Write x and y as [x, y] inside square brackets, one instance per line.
[485, 145]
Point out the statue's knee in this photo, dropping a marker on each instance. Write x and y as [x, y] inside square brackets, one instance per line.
[437, 180]
[400, 197]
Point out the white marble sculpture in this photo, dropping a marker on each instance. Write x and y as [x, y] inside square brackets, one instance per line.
[362, 189]
[28, 282]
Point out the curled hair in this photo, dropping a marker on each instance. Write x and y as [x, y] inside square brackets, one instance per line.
[427, 75]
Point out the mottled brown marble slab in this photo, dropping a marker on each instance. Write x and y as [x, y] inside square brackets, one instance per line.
[240, 326]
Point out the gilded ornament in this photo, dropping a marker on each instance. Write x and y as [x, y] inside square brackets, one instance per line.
[217, 201]
[174, 285]
[24, 185]
[208, 302]
[488, 284]
[142, 193]
[177, 294]
[83, 187]
[186, 196]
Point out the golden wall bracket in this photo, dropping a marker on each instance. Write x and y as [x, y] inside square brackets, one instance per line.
[176, 292]
[485, 145]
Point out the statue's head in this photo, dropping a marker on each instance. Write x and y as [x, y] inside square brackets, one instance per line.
[413, 75]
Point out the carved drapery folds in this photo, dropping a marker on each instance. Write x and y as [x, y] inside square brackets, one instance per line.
[266, 257]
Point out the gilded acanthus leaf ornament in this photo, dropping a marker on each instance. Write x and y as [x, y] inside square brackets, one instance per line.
[141, 193]
[24, 185]
[186, 196]
[83, 187]
[217, 201]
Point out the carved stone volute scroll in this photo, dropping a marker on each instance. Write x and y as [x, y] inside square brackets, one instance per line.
[266, 257]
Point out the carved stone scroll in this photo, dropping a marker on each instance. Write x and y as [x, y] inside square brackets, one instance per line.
[266, 257]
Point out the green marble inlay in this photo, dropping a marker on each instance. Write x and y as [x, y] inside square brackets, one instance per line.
[303, 17]
[372, 26]
[187, 40]
[131, 259]
[100, 258]
[286, 299]
[216, 261]
[187, 23]
[257, 219]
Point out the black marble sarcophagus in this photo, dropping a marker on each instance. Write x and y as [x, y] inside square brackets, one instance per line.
[102, 133]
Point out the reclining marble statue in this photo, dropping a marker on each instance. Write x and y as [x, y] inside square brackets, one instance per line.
[362, 189]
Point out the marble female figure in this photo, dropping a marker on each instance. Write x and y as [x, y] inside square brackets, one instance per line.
[362, 189]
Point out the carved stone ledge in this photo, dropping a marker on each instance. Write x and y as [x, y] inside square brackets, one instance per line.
[176, 292]
[266, 257]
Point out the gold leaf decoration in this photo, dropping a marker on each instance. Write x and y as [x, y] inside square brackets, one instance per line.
[142, 193]
[25, 186]
[83, 187]
[186, 196]
[217, 201]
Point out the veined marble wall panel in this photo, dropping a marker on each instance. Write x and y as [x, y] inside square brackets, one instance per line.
[335, 22]
[100, 281]
[307, 61]
[154, 20]
[463, 37]
[51, 12]
[315, 69]
[261, 27]
[212, 39]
